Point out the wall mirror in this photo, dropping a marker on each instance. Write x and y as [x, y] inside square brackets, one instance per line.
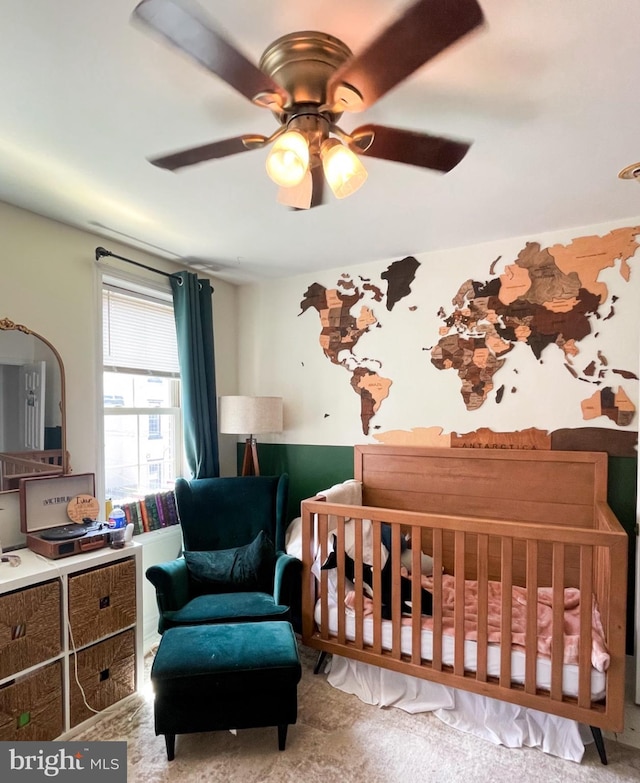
[32, 406]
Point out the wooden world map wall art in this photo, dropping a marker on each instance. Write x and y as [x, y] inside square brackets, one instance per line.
[617, 443]
[549, 296]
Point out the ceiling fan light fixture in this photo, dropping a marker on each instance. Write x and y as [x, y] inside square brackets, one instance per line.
[343, 169]
[288, 160]
[307, 79]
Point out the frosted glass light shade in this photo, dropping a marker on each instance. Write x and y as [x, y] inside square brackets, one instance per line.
[241, 415]
[288, 160]
[342, 168]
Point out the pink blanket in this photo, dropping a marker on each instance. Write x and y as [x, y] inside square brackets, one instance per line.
[599, 653]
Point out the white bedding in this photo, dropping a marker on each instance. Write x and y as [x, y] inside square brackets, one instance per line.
[543, 665]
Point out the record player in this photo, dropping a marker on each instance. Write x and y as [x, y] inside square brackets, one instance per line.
[58, 515]
[69, 539]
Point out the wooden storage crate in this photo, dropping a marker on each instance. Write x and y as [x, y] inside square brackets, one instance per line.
[29, 627]
[107, 673]
[102, 601]
[31, 706]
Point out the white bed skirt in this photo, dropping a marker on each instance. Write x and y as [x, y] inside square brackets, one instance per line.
[490, 719]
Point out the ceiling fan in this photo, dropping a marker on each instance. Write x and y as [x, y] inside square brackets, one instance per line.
[307, 80]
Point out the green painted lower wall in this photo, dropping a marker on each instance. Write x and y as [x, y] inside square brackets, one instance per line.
[621, 495]
[310, 468]
[314, 468]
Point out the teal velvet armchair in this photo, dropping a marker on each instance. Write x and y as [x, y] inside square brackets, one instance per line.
[233, 567]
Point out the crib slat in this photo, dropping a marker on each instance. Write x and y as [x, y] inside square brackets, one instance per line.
[602, 568]
[458, 615]
[416, 598]
[396, 611]
[341, 586]
[483, 607]
[557, 642]
[505, 626]
[531, 658]
[586, 603]
[359, 584]
[436, 657]
[377, 586]
[309, 581]
[323, 525]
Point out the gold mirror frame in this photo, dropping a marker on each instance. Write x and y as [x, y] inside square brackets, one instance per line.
[64, 467]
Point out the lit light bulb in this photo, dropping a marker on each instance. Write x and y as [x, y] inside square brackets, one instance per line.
[288, 161]
[342, 168]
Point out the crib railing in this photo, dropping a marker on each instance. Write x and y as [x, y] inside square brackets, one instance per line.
[17, 465]
[526, 555]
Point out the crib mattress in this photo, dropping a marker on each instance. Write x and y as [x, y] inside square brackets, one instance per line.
[518, 658]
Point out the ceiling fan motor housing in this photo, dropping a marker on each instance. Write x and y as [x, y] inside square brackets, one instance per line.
[302, 63]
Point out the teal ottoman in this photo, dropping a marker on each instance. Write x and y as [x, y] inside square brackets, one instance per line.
[225, 676]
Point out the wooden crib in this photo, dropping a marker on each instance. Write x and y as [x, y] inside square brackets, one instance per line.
[527, 520]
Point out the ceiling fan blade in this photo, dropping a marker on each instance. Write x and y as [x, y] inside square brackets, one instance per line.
[318, 183]
[425, 29]
[217, 149]
[405, 146]
[196, 37]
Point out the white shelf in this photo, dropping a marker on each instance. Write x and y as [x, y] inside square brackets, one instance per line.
[36, 569]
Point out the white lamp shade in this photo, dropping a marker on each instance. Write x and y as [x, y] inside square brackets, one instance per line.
[240, 415]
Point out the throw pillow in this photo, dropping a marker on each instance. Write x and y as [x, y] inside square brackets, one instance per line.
[244, 568]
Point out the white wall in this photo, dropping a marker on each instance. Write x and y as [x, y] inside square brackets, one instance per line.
[157, 547]
[281, 354]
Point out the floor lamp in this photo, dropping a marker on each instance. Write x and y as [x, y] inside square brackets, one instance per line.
[240, 415]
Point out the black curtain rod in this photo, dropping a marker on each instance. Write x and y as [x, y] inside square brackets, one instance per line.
[101, 252]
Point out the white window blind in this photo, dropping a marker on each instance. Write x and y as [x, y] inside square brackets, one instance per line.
[139, 334]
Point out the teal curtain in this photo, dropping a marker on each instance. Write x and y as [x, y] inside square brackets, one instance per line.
[194, 326]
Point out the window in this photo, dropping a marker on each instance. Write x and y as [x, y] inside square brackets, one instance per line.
[141, 388]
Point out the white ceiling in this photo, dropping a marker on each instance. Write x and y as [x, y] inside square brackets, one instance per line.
[547, 91]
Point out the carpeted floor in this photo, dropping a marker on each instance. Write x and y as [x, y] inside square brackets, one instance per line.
[339, 738]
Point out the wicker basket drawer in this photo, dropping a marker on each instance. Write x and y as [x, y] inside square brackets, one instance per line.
[107, 673]
[29, 627]
[102, 601]
[31, 707]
